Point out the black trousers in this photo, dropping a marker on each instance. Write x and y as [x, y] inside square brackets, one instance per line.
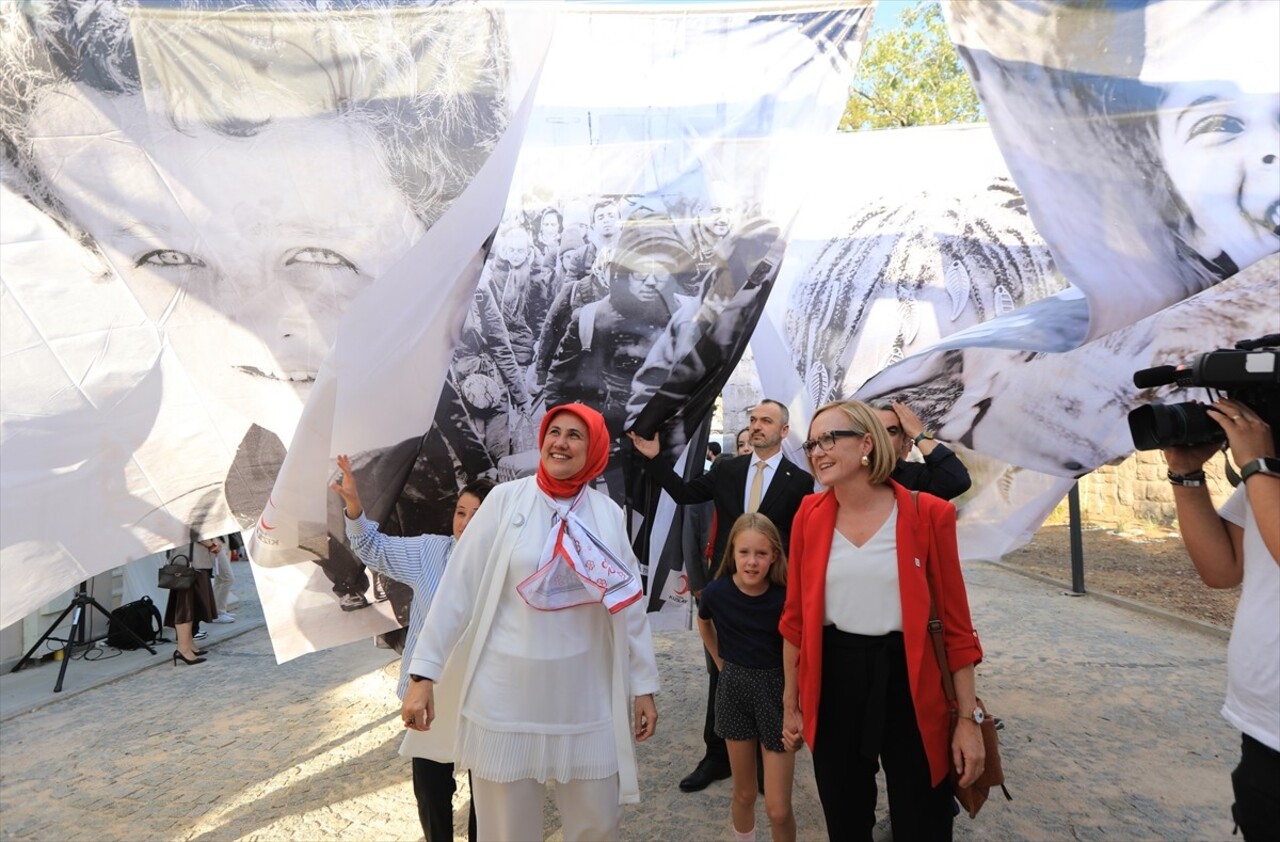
[434, 786]
[866, 717]
[1256, 784]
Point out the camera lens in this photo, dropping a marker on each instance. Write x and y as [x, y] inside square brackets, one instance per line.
[1158, 425]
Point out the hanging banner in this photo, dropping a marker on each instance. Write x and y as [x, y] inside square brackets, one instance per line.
[1144, 139]
[1141, 138]
[884, 262]
[195, 198]
[1142, 135]
[639, 242]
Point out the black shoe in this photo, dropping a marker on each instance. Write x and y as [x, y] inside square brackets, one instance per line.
[708, 772]
[178, 658]
[352, 602]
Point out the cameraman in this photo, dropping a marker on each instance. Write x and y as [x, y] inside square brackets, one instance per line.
[1240, 544]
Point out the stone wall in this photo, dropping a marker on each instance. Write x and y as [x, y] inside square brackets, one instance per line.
[1136, 490]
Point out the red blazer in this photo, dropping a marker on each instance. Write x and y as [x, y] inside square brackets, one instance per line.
[802, 615]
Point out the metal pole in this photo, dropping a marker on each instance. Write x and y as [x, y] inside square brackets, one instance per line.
[1077, 542]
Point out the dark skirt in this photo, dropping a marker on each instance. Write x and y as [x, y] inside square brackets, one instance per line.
[186, 605]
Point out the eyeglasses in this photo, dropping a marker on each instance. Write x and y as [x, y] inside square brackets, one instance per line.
[827, 440]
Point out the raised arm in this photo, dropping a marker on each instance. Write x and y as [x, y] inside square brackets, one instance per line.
[698, 490]
[417, 561]
[1216, 545]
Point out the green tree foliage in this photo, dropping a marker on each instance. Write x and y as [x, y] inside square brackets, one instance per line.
[911, 76]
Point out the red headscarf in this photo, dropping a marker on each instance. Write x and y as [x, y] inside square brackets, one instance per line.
[597, 450]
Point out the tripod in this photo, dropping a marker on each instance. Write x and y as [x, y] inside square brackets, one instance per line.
[76, 636]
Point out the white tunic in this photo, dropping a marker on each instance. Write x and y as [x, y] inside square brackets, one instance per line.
[523, 693]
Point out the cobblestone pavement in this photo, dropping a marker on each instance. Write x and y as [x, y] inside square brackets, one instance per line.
[1112, 733]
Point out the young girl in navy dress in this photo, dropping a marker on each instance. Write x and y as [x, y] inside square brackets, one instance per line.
[738, 617]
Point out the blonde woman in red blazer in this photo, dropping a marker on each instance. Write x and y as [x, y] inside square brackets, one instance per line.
[862, 684]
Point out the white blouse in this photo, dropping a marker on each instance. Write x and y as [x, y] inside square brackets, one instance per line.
[862, 594]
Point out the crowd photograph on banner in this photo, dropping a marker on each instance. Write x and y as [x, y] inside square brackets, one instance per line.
[677, 389]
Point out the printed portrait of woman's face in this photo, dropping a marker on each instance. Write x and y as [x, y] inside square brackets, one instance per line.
[277, 231]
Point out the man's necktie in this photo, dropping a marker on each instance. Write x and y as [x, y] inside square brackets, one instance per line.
[757, 487]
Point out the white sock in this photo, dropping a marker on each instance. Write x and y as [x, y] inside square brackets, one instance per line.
[749, 836]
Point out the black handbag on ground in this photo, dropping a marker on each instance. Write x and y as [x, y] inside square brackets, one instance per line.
[178, 574]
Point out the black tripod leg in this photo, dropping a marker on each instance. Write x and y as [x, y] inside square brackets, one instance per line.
[77, 619]
[47, 634]
[104, 612]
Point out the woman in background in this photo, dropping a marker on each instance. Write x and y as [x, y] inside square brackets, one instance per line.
[187, 606]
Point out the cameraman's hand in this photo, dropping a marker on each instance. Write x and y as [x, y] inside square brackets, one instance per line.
[1247, 434]
[1183, 459]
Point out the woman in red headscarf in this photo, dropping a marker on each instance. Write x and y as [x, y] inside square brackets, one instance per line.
[540, 646]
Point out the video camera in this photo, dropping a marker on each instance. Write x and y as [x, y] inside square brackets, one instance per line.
[1250, 374]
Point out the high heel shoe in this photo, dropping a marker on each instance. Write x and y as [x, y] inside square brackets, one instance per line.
[178, 656]
[200, 652]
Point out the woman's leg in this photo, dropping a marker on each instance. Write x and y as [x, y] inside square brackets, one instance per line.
[186, 643]
[589, 810]
[742, 762]
[917, 809]
[434, 786]
[846, 778]
[510, 812]
[779, 774]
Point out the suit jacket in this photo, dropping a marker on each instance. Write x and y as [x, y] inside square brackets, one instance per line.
[926, 544]
[941, 474]
[726, 485]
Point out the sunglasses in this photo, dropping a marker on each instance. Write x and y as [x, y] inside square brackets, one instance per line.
[826, 441]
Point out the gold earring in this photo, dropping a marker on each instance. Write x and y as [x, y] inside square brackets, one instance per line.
[866, 461]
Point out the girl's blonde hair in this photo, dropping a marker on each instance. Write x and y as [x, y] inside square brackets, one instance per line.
[759, 523]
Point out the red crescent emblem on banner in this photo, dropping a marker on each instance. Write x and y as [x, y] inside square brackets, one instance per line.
[262, 521]
[684, 585]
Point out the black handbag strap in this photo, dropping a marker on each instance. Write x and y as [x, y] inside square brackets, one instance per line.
[191, 548]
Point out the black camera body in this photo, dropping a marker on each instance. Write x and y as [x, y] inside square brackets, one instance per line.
[1249, 373]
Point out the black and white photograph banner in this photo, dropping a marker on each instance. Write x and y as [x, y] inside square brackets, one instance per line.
[625, 268]
[196, 195]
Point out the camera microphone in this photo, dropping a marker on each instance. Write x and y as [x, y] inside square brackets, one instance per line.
[1161, 375]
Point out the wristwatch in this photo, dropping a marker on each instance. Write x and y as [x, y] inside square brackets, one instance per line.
[416, 678]
[977, 716]
[1266, 465]
[923, 434]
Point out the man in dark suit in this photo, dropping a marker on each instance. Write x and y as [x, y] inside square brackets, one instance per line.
[941, 474]
[765, 481]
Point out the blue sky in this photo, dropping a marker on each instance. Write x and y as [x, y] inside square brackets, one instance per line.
[887, 13]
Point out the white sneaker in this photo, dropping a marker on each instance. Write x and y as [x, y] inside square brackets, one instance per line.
[224, 617]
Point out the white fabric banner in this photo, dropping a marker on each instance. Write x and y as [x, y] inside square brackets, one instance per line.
[194, 196]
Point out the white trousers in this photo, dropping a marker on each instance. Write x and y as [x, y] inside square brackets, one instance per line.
[223, 579]
[589, 810]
